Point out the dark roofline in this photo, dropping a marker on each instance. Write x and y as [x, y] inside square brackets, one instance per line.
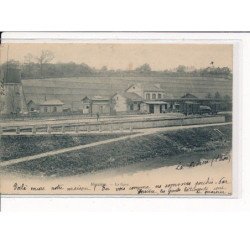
[189, 94]
[143, 86]
[114, 95]
[124, 93]
[52, 104]
[129, 87]
[96, 99]
[30, 102]
[85, 97]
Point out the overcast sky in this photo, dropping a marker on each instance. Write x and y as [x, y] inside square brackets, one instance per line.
[124, 56]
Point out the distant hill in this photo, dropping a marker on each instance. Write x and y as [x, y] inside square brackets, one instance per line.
[72, 90]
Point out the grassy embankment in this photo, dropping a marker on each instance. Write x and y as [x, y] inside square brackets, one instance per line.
[13, 147]
[164, 145]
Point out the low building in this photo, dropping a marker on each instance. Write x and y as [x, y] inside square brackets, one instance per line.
[154, 107]
[144, 98]
[147, 91]
[97, 105]
[190, 104]
[51, 106]
[126, 102]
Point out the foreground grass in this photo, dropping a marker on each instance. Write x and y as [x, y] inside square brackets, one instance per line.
[163, 145]
[12, 147]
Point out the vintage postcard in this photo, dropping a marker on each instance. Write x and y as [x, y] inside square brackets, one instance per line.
[116, 118]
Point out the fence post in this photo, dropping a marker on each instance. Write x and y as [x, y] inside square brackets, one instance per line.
[34, 129]
[88, 128]
[17, 130]
[1, 130]
[48, 129]
[63, 129]
[131, 129]
[76, 129]
[100, 128]
[111, 128]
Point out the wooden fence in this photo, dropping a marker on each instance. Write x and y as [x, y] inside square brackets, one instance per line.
[109, 126]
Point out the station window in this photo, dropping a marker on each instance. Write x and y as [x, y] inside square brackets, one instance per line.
[154, 96]
[147, 96]
[159, 96]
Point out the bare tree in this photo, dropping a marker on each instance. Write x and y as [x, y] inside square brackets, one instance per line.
[45, 57]
[28, 60]
[2, 94]
[13, 109]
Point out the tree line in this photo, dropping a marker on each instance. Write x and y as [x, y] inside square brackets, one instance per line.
[42, 67]
[218, 96]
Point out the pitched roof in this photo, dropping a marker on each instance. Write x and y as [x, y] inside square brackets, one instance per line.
[30, 101]
[96, 98]
[100, 98]
[148, 87]
[52, 102]
[131, 96]
[85, 98]
[152, 87]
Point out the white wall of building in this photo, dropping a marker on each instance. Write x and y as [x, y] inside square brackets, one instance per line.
[120, 103]
[136, 88]
[158, 95]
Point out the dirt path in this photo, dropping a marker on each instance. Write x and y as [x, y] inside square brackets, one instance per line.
[142, 132]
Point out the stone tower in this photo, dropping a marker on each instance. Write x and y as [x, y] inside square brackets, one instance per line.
[12, 98]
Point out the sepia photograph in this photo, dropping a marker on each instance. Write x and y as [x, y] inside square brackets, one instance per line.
[124, 125]
[116, 118]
